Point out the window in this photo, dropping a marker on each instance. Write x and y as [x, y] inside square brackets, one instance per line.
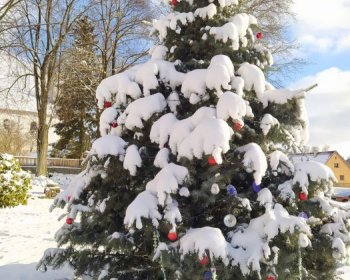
[33, 127]
[336, 165]
[341, 177]
[6, 124]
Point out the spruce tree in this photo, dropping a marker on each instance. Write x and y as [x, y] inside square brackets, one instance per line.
[191, 177]
[76, 107]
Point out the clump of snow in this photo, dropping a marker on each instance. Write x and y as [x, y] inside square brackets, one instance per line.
[162, 128]
[162, 158]
[172, 213]
[226, 32]
[144, 206]
[121, 85]
[303, 240]
[194, 84]
[167, 181]
[173, 101]
[206, 12]
[286, 190]
[278, 159]
[265, 197]
[253, 78]
[198, 240]
[158, 52]
[184, 191]
[146, 76]
[132, 159]
[312, 171]
[339, 249]
[168, 73]
[210, 137]
[181, 129]
[268, 122]
[108, 116]
[254, 160]
[171, 21]
[108, 145]
[281, 96]
[141, 110]
[242, 22]
[237, 84]
[231, 105]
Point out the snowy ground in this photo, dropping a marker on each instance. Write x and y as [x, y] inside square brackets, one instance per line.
[26, 231]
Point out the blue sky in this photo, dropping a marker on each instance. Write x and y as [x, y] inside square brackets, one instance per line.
[323, 30]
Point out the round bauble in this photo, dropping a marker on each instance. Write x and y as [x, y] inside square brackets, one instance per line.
[237, 126]
[172, 236]
[259, 35]
[204, 261]
[108, 104]
[69, 221]
[114, 124]
[231, 190]
[303, 196]
[256, 187]
[230, 220]
[211, 161]
[215, 189]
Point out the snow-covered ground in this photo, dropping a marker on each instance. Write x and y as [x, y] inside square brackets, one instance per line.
[26, 231]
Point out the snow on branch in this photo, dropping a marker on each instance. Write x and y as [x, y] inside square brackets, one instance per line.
[145, 205]
[167, 181]
[141, 110]
[254, 160]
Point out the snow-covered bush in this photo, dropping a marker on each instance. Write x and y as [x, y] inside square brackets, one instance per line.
[14, 182]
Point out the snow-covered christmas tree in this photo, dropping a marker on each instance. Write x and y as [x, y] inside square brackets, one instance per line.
[191, 177]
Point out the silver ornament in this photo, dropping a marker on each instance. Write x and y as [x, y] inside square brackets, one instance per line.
[215, 189]
[230, 220]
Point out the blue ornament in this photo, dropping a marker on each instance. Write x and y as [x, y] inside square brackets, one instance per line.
[303, 215]
[256, 187]
[207, 275]
[231, 190]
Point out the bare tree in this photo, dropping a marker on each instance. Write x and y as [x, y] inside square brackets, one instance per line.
[6, 7]
[36, 36]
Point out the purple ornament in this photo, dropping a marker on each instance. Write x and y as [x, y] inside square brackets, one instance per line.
[303, 215]
[256, 187]
[207, 275]
[231, 190]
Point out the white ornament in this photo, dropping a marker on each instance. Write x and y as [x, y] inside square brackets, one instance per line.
[215, 189]
[230, 220]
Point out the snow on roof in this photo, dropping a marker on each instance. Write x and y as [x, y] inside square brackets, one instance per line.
[321, 157]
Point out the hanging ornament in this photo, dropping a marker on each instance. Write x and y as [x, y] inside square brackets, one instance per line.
[259, 36]
[270, 277]
[207, 275]
[172, 236]
[231, 190]
[230, 220]
[108, 104]
[256, 187]
[69, 221]
[211, 161]
[237, 126]
[303, 215]
[302, 196]
[204, 261]
[215, 189]
[114, 124]
[174, 2]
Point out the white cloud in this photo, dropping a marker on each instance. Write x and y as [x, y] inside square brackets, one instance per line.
[323, 25]
[328, 107]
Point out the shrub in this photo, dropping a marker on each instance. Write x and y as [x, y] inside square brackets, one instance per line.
[14, 182]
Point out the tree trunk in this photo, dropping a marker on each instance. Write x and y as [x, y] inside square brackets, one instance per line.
[42, 145]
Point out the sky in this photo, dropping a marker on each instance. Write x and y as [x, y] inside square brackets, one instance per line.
[322, 28]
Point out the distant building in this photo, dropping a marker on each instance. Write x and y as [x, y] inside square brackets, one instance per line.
[339, 166]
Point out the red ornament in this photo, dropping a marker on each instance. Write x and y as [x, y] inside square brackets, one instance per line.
[270, 277]
[302, 196]
[237, 126]
[204, 261]
[259, 35]
[108, 104]
[172, 236]
[211, 161]
[69, 221]
[114, 124]
[68, 198]
[174, 2]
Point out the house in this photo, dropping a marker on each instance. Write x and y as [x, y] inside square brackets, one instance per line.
[339, 166]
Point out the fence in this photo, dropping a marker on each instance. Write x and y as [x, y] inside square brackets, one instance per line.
[51, 162]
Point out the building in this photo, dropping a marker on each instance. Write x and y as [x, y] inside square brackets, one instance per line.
[339, 166]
